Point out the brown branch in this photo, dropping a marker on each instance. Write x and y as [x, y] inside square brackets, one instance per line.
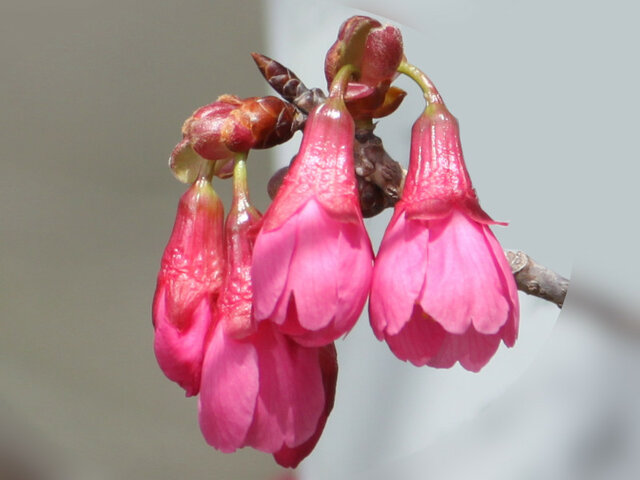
[536, 280]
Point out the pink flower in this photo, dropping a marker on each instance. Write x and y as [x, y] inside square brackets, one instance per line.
[259, 388]
[188, 283]
[291, 456]
[264, 391]
[442, 289]
[312, 260]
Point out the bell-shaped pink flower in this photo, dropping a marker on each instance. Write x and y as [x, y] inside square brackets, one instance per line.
[312, 260]
[188, 284]
[442, 288]
[291, 456]
[259, 388]
[264, 391]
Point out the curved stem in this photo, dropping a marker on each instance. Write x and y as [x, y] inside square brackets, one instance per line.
[430, 91]
[207, 169]
[338, 87]
[240, 186]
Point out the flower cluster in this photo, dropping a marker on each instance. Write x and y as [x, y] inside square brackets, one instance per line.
[246, 311]
[257, 387]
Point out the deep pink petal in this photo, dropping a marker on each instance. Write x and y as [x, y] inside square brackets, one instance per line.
[291, 397]
[472, 349]
[180, 351]
[328, 280]
[398, 275]
[272, 255]
[230, 384]
[463, 284]
[354, 269]
[355, 264]
[290, 457]
[311, 338]
[510, 329]
[315, 265]
[419, 340]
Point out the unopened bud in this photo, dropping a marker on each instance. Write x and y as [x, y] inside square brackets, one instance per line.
[230, 125]
[375, 50]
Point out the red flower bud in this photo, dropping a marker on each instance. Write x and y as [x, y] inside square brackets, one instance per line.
[350, 45]
[189, 280]
[383, 52]
[232, 124]
[375, 50]
[204, 130]
[228, 126]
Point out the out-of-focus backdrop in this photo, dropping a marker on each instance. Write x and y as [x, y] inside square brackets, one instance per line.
[92, 97]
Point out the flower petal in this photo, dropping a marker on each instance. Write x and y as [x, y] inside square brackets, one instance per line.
[419, 340]
[329, 277]
[272, 254]
[355, 265]
[291, 397]
[510, 329]
[463, 285]
[472, 349]
[290, 457]
[399, 274]
[314, 267]
[180, 351]
[230, 383]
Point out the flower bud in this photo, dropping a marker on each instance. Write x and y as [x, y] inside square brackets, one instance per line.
[230, 125]
[375, 50]
[189, 280]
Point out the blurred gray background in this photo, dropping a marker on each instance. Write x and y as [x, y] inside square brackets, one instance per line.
[92, 97]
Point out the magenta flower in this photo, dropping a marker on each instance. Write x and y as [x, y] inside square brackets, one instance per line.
[264, 391]
[291, 456]
[188, 283]
[312, 260]
[259, 388]
[442, 289]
